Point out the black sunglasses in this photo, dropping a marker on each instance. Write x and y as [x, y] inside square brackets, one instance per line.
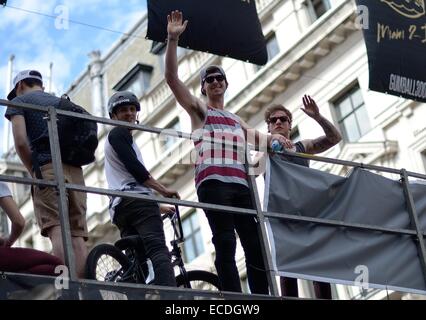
[219, 78]
[282, 119]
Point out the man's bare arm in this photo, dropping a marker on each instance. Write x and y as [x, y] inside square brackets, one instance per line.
[21, 141]
[18, 222]
[323, 143]
[332, 135]
[262, 141]
[194, 106]
[154, 184]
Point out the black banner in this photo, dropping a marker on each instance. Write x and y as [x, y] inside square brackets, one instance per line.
[223, 27]
[396, 45]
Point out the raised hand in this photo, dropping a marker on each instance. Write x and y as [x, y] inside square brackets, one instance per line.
[175, 27]
[311, 108]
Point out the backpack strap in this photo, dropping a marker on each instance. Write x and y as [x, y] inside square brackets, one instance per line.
[36, 166]
[34, 154]
[65, 101]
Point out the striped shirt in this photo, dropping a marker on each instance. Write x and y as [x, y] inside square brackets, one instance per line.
[220, 149]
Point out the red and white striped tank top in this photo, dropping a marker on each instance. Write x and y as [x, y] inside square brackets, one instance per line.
[221, 149]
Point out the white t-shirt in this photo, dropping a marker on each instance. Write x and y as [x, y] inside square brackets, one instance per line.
[4, 190]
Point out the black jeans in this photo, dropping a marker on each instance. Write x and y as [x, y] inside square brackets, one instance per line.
[143, 218]
[223, 226]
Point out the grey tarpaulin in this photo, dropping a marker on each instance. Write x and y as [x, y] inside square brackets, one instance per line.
[327, 253]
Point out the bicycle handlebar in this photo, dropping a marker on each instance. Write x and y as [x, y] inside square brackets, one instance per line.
[175, 217]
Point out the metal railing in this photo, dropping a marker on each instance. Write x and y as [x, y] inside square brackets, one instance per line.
[261, 215]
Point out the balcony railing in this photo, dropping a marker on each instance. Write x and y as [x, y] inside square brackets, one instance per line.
[93, 288]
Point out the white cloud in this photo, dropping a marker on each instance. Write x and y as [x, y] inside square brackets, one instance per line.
[3, 70]
[14, 18]
[103, 40]
[35, 41]
[23, 30]
[3, 82]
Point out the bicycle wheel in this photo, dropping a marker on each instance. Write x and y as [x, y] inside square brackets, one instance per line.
[107, 263]
[199, 279]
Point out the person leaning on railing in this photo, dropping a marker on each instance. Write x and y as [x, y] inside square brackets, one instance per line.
[30, 127]
[125, 171]
[21, 260]
[279, 120]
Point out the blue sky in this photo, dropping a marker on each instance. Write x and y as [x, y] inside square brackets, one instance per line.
[37, 40]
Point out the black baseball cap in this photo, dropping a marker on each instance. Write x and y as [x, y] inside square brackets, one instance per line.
[209, 70]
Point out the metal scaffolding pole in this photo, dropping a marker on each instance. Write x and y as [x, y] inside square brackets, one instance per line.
[266, 253]
[415, 224]
[62, 192]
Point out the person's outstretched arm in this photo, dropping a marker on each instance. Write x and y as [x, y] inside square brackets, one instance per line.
[258, 139]
[21, 141]
[332, 135]
[194, 106]
[121, 141]
[18, 222]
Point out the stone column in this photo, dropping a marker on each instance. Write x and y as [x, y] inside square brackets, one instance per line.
[95, 70]
[7, 128]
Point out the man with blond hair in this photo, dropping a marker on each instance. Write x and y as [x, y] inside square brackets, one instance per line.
[279, 120]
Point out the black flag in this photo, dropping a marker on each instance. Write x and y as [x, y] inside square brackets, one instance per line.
[222, 27]
[396, 45]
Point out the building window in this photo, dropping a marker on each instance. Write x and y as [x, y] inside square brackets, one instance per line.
[352, 115]
[423, 154]
[272, 48]
[193, 245]
[159, 49]
[167, 141]
[136, 80]
[316, 8]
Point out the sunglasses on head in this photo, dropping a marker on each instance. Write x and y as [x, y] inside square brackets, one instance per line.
[282, 119]
[219, 78]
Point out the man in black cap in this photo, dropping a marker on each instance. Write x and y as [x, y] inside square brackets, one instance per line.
[220, 174]
[28, 127]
